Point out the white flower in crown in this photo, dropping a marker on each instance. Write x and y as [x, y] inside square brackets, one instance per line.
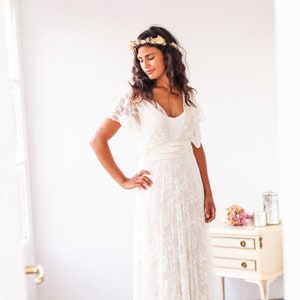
[159, 40]
[174, 45]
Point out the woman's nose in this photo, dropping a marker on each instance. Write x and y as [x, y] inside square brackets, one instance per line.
[146, 64]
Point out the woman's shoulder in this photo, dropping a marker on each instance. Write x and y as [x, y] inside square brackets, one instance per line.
[126, 96]
[196, 106]
[129, 98]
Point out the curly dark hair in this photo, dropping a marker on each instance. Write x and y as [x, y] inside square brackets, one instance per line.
[175, 68]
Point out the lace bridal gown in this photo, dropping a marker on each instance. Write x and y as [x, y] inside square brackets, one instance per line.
[172, 253]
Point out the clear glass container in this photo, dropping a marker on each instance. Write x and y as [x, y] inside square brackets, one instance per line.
[270, 203]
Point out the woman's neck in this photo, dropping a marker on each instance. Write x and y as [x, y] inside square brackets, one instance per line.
[163, 82]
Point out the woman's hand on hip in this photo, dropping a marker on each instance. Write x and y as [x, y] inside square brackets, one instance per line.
[139, 180]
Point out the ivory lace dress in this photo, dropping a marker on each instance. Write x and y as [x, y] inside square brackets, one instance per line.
[172, 252]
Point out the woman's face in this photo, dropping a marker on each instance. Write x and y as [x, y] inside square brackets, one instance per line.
[151, 61]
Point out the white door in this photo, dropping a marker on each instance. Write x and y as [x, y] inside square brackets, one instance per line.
[17, 243]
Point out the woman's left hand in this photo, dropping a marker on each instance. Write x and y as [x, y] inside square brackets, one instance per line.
[210, 209]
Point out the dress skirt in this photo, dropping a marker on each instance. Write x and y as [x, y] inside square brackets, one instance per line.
[172, 252]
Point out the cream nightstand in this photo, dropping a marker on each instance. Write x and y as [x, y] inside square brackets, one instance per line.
[251, 253]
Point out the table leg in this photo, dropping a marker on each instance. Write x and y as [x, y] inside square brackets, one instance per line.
[264, 286]
[223, 287]
[264, 289]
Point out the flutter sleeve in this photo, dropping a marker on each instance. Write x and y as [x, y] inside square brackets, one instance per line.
[200, 113]
[198, 117]
[124, 111]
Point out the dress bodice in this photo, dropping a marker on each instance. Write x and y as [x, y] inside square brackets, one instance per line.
[153, 127]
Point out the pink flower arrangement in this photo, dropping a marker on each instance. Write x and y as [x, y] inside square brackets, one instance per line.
[236, 215]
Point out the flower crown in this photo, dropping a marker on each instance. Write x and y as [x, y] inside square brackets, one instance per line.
[159, 40]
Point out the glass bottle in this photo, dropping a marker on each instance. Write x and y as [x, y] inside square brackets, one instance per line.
[270, 203]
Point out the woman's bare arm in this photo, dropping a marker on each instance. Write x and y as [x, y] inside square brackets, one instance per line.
[100, 145]
[209, 205]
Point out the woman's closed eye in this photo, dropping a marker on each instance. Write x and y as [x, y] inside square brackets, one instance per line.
[147, 58]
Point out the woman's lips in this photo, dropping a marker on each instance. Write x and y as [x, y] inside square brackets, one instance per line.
[149, 72]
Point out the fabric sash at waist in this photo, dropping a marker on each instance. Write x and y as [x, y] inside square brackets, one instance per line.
[167, 151]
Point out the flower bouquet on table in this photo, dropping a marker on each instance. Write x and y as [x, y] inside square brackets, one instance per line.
[236, 215]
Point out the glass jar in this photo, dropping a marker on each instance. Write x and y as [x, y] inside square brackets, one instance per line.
[270, 203]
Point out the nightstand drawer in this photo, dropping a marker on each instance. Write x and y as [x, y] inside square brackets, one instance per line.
[235, 264]
[233, 242]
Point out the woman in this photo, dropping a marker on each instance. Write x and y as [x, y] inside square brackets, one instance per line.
[172, 252]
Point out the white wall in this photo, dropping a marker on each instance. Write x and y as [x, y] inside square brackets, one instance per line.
[76, 65]
[288, 65]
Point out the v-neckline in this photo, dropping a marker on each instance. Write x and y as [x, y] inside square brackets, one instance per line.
[160, 108]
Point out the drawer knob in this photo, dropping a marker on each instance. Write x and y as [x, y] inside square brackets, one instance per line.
[243, 243]
[244, 265]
